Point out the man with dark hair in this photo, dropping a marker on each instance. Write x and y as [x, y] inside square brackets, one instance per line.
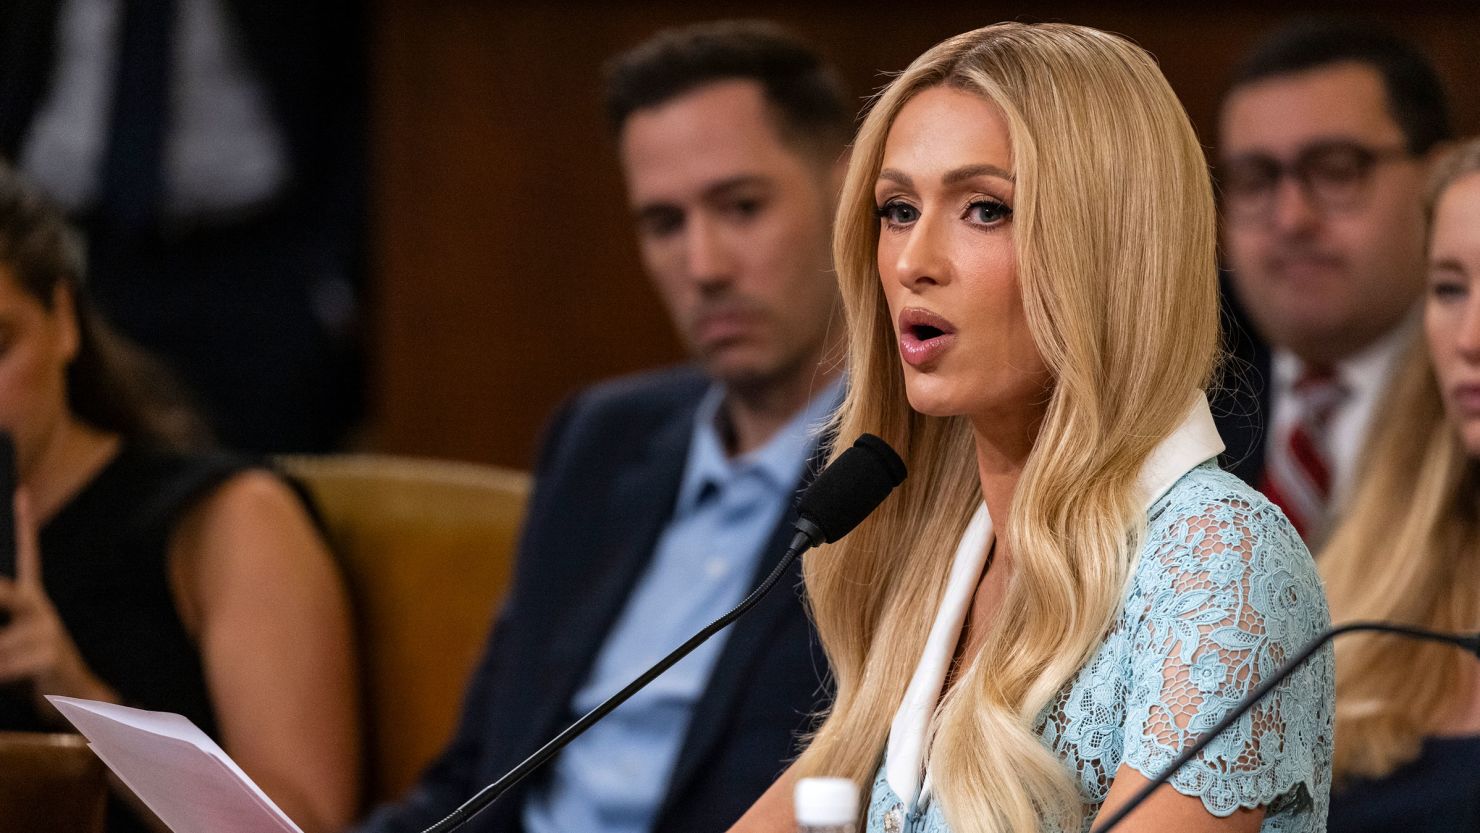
[1326, 136]
[661, 499]
[805, 94]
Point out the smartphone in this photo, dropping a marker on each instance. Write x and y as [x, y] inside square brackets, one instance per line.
[7, 505]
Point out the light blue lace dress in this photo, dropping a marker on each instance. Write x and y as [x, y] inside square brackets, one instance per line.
[1223, 592]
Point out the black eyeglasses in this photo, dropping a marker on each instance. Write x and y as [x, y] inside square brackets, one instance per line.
[1334, 176]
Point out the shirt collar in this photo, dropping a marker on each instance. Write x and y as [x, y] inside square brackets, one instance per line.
[779, 461]
[1194, 441]
[1364, 372]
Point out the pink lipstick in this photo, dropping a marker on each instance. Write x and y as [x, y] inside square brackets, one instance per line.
[924, 336]
[1466, 399]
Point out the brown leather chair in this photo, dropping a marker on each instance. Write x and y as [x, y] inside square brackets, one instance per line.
[50, 783]
[427, 548]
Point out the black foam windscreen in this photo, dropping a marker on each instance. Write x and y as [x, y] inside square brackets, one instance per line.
[852, 487]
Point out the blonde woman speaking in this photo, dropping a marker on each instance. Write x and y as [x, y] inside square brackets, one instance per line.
[1067, 591]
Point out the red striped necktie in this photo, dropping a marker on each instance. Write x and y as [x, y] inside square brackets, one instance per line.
[1297, 474]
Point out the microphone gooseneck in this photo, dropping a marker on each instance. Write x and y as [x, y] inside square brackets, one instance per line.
[839, 497]
[1470, 642]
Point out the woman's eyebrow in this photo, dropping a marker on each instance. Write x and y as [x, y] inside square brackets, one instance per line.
[897, 177]
[951, 177]
[1447, 264]
[973, 171]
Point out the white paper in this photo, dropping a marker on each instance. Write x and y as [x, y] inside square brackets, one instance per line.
[175, 769]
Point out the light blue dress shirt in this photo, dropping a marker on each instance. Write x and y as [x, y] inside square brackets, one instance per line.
[613, 778]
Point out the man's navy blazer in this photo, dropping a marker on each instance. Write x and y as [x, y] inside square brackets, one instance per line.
[606, 483]
[1240, 397]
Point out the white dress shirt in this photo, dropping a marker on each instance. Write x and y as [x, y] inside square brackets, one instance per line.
[1365, 376]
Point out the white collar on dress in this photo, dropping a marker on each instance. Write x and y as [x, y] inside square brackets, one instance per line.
[1193, 442]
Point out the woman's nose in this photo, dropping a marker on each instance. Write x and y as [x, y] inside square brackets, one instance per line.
[921, 258]
[1467, 340]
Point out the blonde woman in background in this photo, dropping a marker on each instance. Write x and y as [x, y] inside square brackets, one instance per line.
[1408, 715]
[1026, 251]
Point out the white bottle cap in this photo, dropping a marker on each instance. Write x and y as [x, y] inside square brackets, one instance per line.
[822, 802]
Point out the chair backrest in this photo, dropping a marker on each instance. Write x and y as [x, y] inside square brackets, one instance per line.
[50, 782]
[427, 548]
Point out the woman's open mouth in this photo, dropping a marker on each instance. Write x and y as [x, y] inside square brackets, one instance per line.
[923, 336]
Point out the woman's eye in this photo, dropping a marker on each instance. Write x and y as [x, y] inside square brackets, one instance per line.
[1448, 290]
[988, 212]
[897, 213]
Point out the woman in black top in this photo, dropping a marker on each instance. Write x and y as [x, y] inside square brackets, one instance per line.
[1408, 550]
[150, 572]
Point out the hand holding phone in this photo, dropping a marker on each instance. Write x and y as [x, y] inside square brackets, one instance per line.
[48, 661]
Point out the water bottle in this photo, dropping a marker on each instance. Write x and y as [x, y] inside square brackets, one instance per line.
[826, 805]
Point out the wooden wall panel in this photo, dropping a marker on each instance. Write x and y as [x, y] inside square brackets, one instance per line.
[506, 273]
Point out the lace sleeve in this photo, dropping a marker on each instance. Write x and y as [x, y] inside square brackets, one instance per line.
[1229, 591]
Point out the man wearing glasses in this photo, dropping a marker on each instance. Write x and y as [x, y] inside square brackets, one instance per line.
[1326, 135]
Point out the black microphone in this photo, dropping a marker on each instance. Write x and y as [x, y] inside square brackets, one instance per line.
[1470, 642]
[839, 497]
[848, 490]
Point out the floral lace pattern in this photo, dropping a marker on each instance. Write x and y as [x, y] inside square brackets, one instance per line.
[1224, 591]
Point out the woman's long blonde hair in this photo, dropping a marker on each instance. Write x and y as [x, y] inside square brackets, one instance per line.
[1113, 227]
[1408, 551]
